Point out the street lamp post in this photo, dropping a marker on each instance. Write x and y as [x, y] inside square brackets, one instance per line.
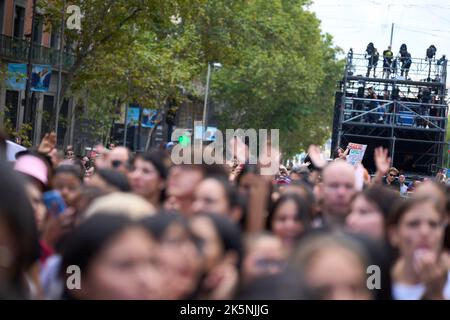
[60, 65]
[208, 79]
[208, 76]
[28, 102]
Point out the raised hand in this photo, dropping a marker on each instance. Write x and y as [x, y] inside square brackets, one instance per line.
[48, 143]
[317, 157]
[432, 273]
[382, 161]
[58, 226]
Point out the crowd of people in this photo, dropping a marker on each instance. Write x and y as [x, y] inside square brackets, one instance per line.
[138, 226]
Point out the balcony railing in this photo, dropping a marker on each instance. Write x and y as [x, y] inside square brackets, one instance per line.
[17, 49]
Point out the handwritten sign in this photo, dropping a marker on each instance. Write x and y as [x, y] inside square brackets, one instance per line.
[356, 153]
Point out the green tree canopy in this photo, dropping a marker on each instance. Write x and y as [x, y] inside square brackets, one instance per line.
[285, 76]
[278, 72]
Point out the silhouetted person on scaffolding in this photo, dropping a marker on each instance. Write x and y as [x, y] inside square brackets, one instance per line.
[388, 58]
[424, 97]
[435, 110]
[372, 57]
[350, 61]
[374, 116]
[405, 59]
[430, 57]
[423, 110]
[359, 104]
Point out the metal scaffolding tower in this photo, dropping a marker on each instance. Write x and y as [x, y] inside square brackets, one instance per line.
[407, 115]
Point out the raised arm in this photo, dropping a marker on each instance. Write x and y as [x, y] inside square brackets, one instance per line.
[382, 163]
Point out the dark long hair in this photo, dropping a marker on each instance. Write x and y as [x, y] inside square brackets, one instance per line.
[89, 239]
[16, 214]
[304, 209]
[157, 159]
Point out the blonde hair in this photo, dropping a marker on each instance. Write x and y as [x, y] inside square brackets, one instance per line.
[131, 205]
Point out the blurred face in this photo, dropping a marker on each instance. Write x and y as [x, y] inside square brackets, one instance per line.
[68, 185]
[182, 181]
[366, 218]
[429, 189]
[285, 224]
[266, 256]
[420, 228]
[145, 180]
[212, 249]
[338, 274]
[391, 176]
[179, 263]
[210, 197]
[338, 190]
[97, 182]
[401, 179]
[125, 269]
[40, 211]
[118, 159]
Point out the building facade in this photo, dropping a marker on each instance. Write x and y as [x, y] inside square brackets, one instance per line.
[15, 37]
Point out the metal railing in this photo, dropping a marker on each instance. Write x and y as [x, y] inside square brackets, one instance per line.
[422, 70]
[17, 49]
[395, 113]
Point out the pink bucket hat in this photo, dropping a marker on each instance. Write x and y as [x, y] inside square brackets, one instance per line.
[33, 167]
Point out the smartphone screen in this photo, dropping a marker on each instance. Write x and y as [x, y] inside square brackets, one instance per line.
[54, 202]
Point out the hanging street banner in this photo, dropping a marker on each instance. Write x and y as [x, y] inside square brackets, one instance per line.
[148, 120]
[17, 76]
[133, 115]
[40, 77]
[149, 117]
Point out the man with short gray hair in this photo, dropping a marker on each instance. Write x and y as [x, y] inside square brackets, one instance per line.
[337, 191]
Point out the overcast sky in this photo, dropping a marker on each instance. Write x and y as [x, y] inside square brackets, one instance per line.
[418, 23]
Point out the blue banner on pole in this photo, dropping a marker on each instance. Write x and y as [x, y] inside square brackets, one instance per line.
[149, 118]
[17, 76]
[133, 115]
[40, 78]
